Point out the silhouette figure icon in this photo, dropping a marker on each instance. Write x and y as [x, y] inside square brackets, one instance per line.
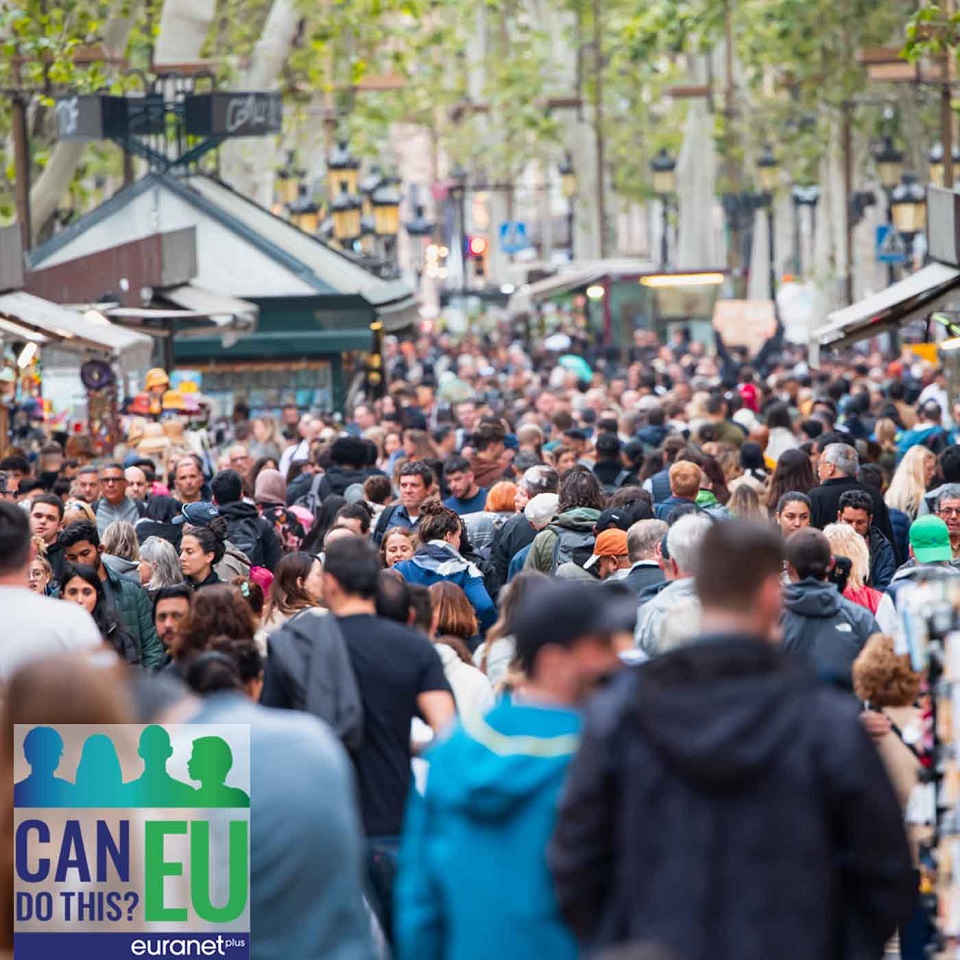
[155, 787]
[99, 775]
[43, 750]
[209, 764]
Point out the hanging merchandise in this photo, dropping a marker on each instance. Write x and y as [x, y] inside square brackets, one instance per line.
[929, 611]
[97, 375]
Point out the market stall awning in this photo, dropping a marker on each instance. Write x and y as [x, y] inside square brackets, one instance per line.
[74, 332]
[229, 313]
[910, 298]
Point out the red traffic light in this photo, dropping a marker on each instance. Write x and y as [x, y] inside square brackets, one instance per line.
[478, 246]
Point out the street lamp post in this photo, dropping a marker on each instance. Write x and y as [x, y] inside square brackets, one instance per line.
[385, 201]
[367, 187]
[664, 168]
[936, 164]
[305, 211]
[458, 193]
[288, 181]
[568, 187]
[889, 161]
[345, 209]
[342, 167]
[807, 196]
[418, 228]
[768, 169]
[908, 208]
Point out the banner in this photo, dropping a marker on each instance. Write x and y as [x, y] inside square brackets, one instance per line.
[132, 841]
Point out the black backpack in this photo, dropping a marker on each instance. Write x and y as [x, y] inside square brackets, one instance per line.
[312, 499]
[247, 536]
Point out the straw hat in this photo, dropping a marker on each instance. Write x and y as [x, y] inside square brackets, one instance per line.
[135, 432]
[154, 440]
[174, 429]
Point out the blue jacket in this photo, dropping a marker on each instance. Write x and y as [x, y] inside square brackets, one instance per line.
[473, 881]
[900, 522]
[664, 508]
[437, 561]
[883, 561]
[932, 436]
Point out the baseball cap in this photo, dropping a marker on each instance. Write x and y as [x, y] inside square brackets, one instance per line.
[197, 514]
[562, 612]
[613, 517]
[610, 543]
[930, 540]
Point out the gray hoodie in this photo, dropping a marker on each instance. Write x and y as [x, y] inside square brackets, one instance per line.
[824, 629]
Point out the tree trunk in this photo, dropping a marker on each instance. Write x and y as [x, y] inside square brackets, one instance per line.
[184, 25]
[54, 182]
[248, 165]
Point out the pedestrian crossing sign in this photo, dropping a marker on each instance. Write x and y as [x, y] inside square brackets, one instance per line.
[890, 247]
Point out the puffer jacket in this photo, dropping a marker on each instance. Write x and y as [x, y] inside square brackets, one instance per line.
[437, 561]
[580, 519]
[136, 614]
[825, 630]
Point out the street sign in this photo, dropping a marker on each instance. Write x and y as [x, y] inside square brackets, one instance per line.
[99, 117]
[745, 323]
[233, 114]
[890, 247]
[513, 236]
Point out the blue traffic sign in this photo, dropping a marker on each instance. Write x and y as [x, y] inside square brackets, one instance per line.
[513, 236]
[890, 246]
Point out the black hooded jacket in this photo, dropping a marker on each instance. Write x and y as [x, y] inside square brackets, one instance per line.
[726, 806]
[251, 534]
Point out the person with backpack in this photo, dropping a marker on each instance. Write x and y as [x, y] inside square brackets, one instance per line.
[246, 529]
[348, 456]
[439, 559]
[399, 676]
[571, 537]
[416, 482]
[609, 468]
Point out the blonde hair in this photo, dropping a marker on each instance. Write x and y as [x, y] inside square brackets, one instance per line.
[908, 484]
[886, 433]
[846, 542]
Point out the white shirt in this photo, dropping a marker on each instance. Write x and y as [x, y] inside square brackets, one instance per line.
[39, 626]
[299, 451]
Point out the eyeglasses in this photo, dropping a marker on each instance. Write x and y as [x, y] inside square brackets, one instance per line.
[113, 479]
[949, 512]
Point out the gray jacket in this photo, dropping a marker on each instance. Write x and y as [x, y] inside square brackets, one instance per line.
[308, 668]
[824, 629]
[670, 619]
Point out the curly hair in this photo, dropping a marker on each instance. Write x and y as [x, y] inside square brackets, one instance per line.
[217, 610]
[882, 677]
[581, 489]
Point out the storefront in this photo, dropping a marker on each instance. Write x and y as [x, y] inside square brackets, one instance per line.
[315, 304]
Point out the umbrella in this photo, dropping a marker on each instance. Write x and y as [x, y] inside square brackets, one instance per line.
[557, 342]
[577, 365]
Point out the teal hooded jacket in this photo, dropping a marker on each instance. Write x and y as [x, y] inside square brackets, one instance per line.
[473, 881]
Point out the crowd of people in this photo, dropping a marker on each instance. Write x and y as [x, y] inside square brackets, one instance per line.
[589, 649]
